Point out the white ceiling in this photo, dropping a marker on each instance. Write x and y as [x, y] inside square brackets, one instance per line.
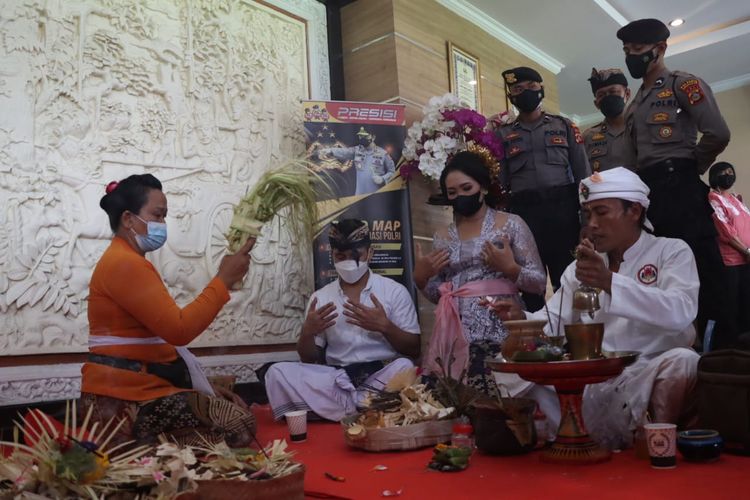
[572, 36]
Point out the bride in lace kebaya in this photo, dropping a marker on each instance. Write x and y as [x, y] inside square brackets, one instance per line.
[484, 252]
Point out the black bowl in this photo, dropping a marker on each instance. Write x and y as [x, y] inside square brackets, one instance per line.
[700, 445]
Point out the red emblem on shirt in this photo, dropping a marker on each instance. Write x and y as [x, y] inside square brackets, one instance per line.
[665, 132]
[648, 274]
[577, 133]
[693, 90]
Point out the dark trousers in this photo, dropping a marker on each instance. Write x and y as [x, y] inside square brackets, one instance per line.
[680, 209]
[737, 296]
[552, 216]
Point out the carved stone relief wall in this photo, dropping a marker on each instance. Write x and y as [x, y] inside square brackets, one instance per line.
[204, 94]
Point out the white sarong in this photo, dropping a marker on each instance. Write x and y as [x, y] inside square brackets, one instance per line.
[613, 409]
[324, 390]
[198, 378]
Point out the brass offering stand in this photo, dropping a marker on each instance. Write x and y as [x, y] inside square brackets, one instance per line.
[573, 445]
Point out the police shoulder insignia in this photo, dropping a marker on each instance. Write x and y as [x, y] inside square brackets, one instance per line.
[692, 88]
[577, 133]
[659, 117]
[665, 132]
[664, 94]
[648, 274]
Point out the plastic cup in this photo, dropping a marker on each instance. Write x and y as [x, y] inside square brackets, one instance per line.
[297, 423]
[662, 445]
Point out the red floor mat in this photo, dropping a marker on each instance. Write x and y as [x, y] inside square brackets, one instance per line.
[624, 477]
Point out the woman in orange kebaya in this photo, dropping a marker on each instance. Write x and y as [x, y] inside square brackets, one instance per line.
[138, 366]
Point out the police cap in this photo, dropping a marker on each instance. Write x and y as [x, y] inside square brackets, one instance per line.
[606, 77]
[521, 74]
[643, 31]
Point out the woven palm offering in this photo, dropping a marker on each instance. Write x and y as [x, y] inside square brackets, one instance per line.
[289, 191]
[405, 415]
[71, 461]
[241, 473]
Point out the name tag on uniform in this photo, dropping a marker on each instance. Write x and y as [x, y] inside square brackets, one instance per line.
[557, 140]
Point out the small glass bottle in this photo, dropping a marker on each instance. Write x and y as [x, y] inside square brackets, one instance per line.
[463, 435]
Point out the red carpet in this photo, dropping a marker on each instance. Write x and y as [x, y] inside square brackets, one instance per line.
[624, 477]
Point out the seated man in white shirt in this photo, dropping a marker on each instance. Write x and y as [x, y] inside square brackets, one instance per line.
[649, 299]
[360, 330]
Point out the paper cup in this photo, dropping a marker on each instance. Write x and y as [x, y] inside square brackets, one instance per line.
[662, 445]
[297, 423]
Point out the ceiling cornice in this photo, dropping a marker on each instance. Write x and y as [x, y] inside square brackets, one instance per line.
[502, 33]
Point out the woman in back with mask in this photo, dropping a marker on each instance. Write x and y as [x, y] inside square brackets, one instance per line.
[138, 367]
[732, 219]
[483, 253]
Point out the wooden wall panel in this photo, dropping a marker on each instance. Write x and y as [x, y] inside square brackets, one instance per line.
[396, 51]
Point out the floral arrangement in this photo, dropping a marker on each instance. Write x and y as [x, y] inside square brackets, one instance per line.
[446, 129]
[70, 461]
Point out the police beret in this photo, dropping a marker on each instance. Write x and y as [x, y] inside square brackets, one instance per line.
[643, 31]
[606, 77]
[521, 74]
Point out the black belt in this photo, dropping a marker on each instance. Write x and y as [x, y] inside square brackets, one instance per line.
[359, 372]
[176, 372]
[554, 193]
[673, 166]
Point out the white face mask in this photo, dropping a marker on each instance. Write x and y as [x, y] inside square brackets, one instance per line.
[350, 271]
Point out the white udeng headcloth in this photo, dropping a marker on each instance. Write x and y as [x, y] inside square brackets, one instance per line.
[618, 182]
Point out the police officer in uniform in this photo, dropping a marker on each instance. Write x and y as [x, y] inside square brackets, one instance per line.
[373, 164]
[605, 142]
[662, 123]
[544, 162]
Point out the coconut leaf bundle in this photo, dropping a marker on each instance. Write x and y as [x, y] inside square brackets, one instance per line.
[289, 191]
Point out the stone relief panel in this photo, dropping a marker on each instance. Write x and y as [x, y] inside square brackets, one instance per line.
[204, 94]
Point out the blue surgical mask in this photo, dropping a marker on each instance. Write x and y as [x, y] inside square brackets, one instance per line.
[154, 239]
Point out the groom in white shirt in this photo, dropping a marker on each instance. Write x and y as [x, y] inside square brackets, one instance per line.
[360, 330]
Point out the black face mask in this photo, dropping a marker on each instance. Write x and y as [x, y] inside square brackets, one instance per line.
[466, 206]
[528, 100]
[638, 63]
[612, 105]
[725, 181]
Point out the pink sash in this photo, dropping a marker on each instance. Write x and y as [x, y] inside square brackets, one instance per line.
[448, 333]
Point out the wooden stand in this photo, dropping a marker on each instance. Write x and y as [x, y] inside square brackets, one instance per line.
[573, 445]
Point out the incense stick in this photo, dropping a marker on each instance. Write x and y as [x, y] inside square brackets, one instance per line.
[549, 318]
[559, 312]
